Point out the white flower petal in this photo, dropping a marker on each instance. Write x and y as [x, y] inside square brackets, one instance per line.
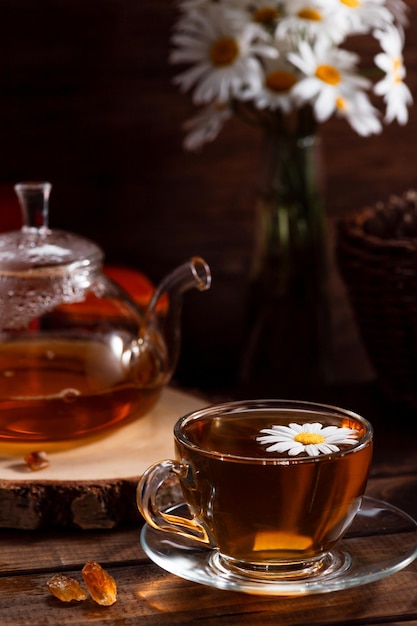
[312, 449]
[296, 428]
[281, 430]
[327, 448]
[296, 449]
[285, 446]
[313, 427]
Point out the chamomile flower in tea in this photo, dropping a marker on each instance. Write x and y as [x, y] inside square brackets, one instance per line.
[310, 438]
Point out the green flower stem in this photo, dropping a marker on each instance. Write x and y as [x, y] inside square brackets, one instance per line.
[288, 313]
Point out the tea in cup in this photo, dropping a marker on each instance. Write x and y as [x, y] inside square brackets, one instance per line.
[270, 486]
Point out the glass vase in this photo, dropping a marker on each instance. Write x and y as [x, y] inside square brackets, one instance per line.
[287, 349]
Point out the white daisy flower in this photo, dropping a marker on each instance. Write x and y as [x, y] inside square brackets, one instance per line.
[205, 126]
[398, 100]
[392, 88]
[310, 438]
[391, 59]
[328, 73]
[361, 16]
[223, 47]
[311, 19]
[359, 112]
[277, 86]
[266, 12]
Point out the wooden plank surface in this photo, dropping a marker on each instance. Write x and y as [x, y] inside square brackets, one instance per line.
[158, 598]
[147, 592]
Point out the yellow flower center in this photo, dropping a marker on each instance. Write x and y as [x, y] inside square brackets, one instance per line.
[307, 438]
[309, 14]
[341, 103]
[280, 81]
[328, 74]
[265, 15]
[224, 51]
[397, 64]
[352, 4]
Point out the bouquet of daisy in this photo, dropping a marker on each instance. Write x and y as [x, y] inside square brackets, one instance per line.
[275, 61]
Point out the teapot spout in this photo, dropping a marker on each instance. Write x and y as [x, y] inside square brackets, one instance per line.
[195, 273]
[160, 334]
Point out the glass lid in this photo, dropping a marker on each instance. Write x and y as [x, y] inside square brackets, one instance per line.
[35, 245]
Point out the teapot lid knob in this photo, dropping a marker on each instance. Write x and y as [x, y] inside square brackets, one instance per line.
[34, 202]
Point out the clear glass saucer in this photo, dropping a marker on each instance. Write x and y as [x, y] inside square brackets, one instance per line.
[381, 541]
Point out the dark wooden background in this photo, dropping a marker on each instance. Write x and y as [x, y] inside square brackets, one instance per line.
[86, 102]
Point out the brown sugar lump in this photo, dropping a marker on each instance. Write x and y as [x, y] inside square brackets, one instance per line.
[99, 583]
[37, 460]
[66, 589]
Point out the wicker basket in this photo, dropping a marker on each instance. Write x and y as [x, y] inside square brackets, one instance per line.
[376, 251]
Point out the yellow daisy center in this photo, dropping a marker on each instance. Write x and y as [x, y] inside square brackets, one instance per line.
[308, 438]
[280, 81]
[224, 51]
[309, 14]
[397, 64]
[352, 4]
[328, 74]
[341, 103]
[265, 15]
[397, 67]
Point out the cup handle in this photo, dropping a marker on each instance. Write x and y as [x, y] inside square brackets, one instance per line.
[154, 481]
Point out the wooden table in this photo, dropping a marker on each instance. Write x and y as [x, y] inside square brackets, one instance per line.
[149, 595]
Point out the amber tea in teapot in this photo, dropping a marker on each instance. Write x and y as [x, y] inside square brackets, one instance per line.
[77, 355]
[72, 388]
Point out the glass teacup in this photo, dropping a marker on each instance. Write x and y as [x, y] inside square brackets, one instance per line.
[270, 486]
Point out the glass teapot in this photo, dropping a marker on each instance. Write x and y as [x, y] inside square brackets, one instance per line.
[77, 355]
